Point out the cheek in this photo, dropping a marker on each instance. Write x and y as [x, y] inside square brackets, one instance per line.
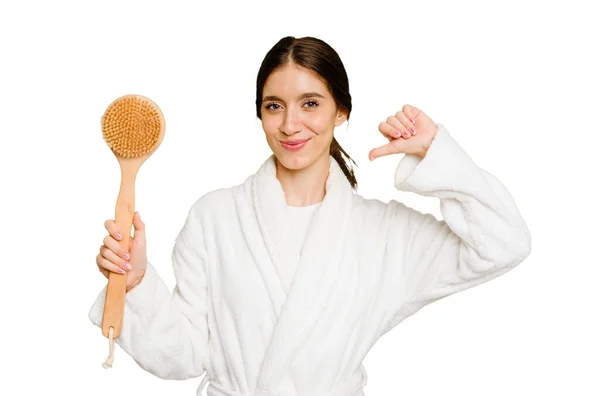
[270, 125]
[319, 123]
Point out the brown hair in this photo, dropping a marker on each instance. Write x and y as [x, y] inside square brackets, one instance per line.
[316, 55]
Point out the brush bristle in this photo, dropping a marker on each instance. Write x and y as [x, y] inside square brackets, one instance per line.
[131, 126]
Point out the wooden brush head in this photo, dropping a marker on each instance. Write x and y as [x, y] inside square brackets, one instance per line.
[133, 126]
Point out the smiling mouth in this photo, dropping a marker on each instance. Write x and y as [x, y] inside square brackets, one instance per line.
[293, 145]
[294, 142]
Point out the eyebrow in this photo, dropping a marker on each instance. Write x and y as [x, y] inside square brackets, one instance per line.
[303, 96]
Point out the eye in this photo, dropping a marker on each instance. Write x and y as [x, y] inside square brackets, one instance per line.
[312, 101]
[268, 107]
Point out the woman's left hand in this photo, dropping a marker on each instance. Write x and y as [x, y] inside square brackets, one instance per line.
[410, 131]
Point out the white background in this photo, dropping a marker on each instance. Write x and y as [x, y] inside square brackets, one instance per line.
[515, 83]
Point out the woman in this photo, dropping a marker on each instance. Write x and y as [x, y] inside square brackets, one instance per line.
[286, 281]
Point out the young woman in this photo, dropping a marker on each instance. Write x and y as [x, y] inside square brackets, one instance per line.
[286, 281]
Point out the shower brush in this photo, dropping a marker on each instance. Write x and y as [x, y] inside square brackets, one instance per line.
[133, 127]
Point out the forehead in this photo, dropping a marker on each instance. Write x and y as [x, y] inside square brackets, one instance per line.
[292, 79]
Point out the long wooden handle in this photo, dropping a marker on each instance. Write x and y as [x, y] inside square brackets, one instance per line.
[114, 305]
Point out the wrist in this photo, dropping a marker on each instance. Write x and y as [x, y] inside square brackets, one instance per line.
[422, 154]
[425, 149]
[136, 281]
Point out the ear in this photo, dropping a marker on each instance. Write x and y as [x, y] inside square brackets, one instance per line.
[340, 118]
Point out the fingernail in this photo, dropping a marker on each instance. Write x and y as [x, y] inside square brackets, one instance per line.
[397, 134]
[121, 270]
[411, 120]
[413, 131]
[119, 237]
[127, 266]
[371, 158]
[126, 256]
[406, 134]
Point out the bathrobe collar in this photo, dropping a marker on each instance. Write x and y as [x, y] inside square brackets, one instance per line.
[298, 305]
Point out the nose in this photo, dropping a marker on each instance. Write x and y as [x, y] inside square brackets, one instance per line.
[291, 123]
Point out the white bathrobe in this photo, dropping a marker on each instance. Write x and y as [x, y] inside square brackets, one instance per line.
[365, 266]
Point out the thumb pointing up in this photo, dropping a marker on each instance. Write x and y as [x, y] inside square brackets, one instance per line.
[139, 233]
[137, 244]
[137, 249]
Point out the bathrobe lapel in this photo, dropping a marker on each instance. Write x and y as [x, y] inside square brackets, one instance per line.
[299, 305]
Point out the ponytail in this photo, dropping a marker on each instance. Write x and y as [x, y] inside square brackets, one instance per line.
[338, 153]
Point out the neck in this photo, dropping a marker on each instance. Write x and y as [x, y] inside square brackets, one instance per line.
[304, 187]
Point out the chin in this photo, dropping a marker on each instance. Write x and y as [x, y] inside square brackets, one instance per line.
[294, 161]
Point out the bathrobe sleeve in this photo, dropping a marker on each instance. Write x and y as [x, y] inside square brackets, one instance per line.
[167, 333]
[481, 236]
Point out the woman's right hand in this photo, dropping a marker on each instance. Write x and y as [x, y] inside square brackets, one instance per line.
[115, 259]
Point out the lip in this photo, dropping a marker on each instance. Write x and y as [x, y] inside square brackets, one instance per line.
[297, 141]
[293, 145]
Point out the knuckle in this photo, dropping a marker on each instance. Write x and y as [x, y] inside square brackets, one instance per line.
[109, 265]
[110, 225]
[104, 252]
[104, 263]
